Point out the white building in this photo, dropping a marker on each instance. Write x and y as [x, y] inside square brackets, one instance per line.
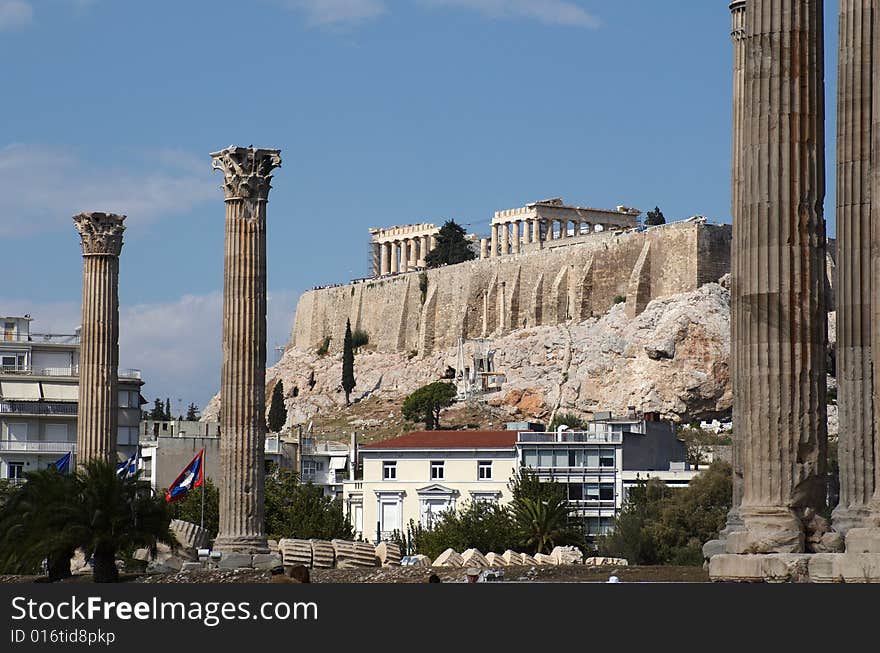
[324, 464]
[421, 475]
[39, 391]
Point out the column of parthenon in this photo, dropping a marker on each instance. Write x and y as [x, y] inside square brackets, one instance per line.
[778, 291]
[403, 248]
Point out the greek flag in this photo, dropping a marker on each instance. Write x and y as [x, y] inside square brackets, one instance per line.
[63, 463]
[129, 468]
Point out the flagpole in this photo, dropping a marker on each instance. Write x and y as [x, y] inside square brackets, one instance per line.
[204, 479]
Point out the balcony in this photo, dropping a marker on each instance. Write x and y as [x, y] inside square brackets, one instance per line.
[60, 371]
[15, 369]
[42, 338]
[585, 437]
[51, 408]
[64, 371]
[33, 446]
[129, 374]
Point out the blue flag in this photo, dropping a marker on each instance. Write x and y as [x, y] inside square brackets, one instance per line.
[191, 476]
[129, 468]
[63, 463]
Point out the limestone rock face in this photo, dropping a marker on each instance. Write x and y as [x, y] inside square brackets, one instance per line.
[449, 558]
[673, 359]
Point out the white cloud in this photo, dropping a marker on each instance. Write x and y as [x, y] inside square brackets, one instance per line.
[550, 12]
[15, 14]
[176, 344]
[41, 187]
[325, 13]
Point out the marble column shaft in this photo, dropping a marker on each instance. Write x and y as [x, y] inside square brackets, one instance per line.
[515, 237]
[247, 181]
[536, 231]
[493, 242]
[505, 238]
[395, 254]
[98, 407]
[778, 293]
[854, 361]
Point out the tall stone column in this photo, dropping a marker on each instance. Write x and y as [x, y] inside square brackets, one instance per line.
[484, 248]
[563, 229]
[377, 259]
[516, 241]
[395, 254]
[737, 35]
[423, 258]
[247, 180]
[526, 232]
[493, 242]
[874, 504]
[778, 291]
[854, 362]
[97, 421]
[505, 239]
[386, 258]
[536, 231]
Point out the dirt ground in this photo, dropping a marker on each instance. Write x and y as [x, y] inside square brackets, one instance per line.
[394, 575]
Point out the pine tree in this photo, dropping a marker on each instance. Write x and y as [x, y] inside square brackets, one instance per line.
[348, 381]
[158, 412]
[452, 247]
[192, 413]
[168, 409]
[277, 411]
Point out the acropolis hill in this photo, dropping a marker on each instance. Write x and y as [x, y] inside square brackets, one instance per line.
[547, 283]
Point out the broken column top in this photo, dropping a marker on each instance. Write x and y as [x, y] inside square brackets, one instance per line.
[100, 233]
[247, 171]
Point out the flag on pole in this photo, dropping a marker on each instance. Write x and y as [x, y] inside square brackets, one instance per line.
[129, 468]
[63, 463]
[191, 476]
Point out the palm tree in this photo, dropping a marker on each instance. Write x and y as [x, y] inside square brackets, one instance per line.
[32, 522]
[542, 523]
[52, 515]
[111, 515]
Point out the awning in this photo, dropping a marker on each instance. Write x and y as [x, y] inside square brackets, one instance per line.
[61, 391]
[338, 462]
[21, 390]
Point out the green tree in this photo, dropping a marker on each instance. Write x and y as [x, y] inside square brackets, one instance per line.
[479, 524]
[452, 247]
[277, 410]
[348, 381]
[95, 511]
[700, 443]
[359, 338]
[32, 522]
[158, 411]
[168, 409]
[190, 507]
[662, 525]
[294, 510]
[541, 513]
[192, 413]
[655, 217]
[425, 404]
[570, 420]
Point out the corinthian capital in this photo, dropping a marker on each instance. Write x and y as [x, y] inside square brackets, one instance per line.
[101, 233]
[246, 171]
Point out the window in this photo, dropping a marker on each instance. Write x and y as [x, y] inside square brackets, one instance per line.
[545, 458]
[15, 472]
[560, 458]
[606, 458]
[389, 470]
[591, 458]
[530, 458]
[437, 471]
[576, 492]
[484, 470]
[126, 435]
[576, 458]
[606, 492]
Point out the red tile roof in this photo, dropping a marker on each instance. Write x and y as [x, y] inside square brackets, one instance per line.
[449, 440]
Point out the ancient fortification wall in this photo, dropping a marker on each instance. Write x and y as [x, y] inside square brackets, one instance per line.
[569, 281]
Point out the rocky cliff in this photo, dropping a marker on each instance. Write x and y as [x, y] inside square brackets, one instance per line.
[672, 358]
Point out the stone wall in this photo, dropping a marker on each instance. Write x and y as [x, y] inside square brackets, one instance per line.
[422, 312]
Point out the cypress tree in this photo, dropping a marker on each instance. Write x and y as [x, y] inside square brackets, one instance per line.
[348, 381]
[277, 411]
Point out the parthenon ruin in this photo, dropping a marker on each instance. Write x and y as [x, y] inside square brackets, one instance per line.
[550, 222]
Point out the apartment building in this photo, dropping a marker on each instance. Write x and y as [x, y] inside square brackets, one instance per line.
[421, 475]
[39, 392]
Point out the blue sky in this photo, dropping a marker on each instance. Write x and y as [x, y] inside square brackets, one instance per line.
[386, 112]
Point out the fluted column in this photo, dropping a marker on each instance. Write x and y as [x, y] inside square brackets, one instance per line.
[505, 239]
[536, 231]
[778, 291]
[423, 257]
[484, 248]
[97, 421]
[247, 180]
[737, 35]
[526, 232]
[386, 258]
[395, 246]
[874, 504]
[493, 242]
[515, 241]
[854, 364]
